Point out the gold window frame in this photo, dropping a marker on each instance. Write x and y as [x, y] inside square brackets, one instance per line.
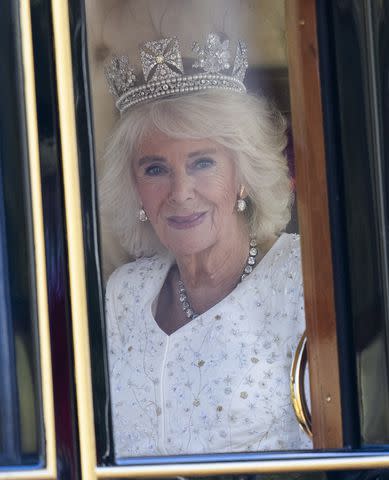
[49, 472]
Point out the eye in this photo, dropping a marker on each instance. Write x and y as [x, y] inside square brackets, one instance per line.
[204, 162]
[155, 170]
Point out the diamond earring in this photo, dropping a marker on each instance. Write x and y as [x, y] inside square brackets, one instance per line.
[241, 203]
[142, 215]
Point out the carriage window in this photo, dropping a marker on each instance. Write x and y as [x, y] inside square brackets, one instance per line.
[19, 380]
[20, 406]
[364, 156]
[200, 246]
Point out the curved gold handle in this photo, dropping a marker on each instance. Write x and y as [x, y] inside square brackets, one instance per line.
[297, 386]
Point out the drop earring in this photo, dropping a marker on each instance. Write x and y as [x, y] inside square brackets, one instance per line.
[142, 215]
[241, 203]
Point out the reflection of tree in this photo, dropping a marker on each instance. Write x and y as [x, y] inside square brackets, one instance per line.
[27, 407]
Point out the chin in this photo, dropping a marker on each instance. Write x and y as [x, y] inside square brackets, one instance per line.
[189, 246]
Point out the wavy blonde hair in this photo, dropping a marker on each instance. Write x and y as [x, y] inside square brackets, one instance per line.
[248, 126]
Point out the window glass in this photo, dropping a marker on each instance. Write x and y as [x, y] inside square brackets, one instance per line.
[364, 166]
[20, 407]
[201, 257]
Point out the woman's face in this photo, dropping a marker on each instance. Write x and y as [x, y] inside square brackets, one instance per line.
[188, 189]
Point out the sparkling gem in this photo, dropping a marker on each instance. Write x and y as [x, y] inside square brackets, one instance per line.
[189, 313]
[253, 251]
[161, 58]
[241, 61]
[244, 395]
[241, 205]
[120, 75]
[253, 242]
[200, 363]
[215, 55]
[196, 402]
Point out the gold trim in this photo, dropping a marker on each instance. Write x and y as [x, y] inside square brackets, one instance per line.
[297, 388]
[80, 321]
[44, 474]
[236, 468]
[76, 258]
[50, 471]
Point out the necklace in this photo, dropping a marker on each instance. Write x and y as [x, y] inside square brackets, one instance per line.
[183, 296]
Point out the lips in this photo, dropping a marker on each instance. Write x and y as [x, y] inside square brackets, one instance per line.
[182, 222]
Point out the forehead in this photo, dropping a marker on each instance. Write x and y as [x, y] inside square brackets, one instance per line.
[158, 143]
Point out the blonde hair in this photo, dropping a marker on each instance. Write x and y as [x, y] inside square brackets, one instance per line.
[246, 125]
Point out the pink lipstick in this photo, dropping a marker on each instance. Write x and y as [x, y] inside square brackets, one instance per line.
[181, 222]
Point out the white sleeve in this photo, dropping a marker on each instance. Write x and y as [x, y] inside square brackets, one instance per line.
[112, 321]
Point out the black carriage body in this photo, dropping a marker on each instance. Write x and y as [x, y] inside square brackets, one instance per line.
[353, 57]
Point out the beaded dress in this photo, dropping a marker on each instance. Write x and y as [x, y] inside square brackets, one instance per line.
[220, 383]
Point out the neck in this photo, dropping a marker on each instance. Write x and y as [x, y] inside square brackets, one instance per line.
[212, 274]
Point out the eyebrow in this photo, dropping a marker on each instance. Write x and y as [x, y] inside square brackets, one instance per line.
[158, 158]
[150, 159]
[198, 153]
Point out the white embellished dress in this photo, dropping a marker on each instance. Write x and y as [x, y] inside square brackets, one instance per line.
[220, 383]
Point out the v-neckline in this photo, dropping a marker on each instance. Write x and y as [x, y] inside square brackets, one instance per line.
[207, 313]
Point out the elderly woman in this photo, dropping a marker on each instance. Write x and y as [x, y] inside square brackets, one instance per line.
[202, 326]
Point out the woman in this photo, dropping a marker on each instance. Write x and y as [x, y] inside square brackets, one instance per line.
[203, 325]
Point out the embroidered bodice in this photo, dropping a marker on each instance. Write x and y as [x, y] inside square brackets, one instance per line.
[220, 383]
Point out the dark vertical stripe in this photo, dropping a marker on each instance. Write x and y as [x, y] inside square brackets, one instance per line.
[85, 143]
[68, 461]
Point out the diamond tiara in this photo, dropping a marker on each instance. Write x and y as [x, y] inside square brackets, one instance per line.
[163, 71]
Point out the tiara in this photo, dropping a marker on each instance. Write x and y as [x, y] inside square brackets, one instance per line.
[163, 71]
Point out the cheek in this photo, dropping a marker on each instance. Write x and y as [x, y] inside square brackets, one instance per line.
[152, 195]
[220, 190]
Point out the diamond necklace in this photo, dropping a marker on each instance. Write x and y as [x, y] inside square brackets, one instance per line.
[183, 296]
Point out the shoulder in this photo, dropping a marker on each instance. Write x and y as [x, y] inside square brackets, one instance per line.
[286, 282]
[286, 254]
[135, 273]
[288, 243]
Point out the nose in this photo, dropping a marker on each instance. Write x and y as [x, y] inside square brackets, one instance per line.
[182, 188]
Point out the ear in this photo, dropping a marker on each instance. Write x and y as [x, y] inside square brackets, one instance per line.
[242, 192]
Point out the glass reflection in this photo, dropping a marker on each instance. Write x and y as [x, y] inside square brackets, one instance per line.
[195, 185]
